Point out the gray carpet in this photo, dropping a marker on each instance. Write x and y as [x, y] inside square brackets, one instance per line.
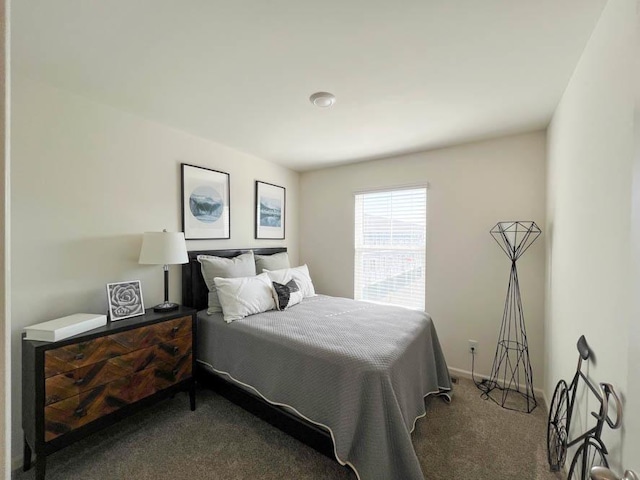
[470, 438]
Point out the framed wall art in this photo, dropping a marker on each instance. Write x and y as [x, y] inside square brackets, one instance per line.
[270, 211]
[206, 212]
[125, 299]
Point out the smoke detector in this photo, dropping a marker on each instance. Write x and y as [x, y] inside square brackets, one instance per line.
[323, 99]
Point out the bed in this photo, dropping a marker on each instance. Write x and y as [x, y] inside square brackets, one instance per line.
[349, 378]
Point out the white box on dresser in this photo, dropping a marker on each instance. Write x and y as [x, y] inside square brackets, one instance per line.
[64, 327]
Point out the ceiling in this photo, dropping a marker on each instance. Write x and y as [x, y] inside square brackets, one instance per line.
[408, 75]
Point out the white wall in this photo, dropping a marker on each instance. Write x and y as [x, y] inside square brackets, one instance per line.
[632, 423]
[87, 180]
[471, 188]
[632, 420]
[4, 230]
[590, 158]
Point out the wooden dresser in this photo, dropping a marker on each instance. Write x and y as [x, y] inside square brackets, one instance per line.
[81, 384]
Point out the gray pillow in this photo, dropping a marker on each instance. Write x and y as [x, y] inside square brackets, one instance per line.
[277, 261]
[212, 267]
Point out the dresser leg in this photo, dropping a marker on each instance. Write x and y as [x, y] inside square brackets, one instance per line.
[41, 465]
[192, 396]
[26, 456]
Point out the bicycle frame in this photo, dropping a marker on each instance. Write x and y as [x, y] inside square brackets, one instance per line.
[603, 415]
[596, 431]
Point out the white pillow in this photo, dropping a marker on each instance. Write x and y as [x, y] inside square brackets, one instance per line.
[277, 261]
[241, 297]
[299, 274]
[212, 267]
[286, 296]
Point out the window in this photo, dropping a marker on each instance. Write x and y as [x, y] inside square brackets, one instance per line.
[390, 247]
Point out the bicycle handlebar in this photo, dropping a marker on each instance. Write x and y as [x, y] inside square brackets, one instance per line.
[607, 389]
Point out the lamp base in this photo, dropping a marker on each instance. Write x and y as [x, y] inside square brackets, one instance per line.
[165, 307]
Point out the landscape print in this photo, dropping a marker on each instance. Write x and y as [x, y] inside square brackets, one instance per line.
[206, 204]
[270, 212]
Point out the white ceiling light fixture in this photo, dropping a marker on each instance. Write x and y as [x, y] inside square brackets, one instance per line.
[323, 99]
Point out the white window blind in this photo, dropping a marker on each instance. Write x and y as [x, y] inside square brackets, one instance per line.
[390, 247]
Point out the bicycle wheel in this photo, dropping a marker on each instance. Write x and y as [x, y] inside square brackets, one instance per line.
[557, 427]
[589, 455]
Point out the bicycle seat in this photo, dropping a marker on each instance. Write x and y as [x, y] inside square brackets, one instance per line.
[583, 348]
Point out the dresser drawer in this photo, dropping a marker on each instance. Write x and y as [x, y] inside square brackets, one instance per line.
[76, 381]
[72, 357]
[169, 373]
[74, 412]
[172, 329]
[169, 351]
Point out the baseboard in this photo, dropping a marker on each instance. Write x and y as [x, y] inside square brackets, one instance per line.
[480, 376]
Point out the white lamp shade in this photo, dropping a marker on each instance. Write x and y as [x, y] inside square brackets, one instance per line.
[163, 248]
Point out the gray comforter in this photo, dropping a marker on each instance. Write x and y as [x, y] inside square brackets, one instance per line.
[358, 369]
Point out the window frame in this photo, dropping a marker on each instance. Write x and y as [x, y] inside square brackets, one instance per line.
[356, 249]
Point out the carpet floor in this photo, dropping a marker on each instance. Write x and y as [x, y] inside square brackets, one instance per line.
[470, 438]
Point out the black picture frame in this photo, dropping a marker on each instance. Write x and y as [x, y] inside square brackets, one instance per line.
[205, 203]
[270, 211]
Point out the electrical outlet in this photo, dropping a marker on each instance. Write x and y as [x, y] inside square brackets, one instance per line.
[473, 346]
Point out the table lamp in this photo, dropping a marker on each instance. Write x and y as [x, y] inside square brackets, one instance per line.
[164, 248]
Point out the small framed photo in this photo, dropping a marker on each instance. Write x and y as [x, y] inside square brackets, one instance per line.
[270, 211]
[125, 299]
[206, 211]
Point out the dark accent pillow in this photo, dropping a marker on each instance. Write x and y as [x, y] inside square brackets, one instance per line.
[287, 295]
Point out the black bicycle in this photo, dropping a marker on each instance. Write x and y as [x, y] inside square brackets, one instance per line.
[592, 452]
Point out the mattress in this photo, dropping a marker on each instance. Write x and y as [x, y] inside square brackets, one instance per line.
[358, 369]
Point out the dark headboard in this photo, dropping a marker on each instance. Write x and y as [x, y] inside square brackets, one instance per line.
[194, 291]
